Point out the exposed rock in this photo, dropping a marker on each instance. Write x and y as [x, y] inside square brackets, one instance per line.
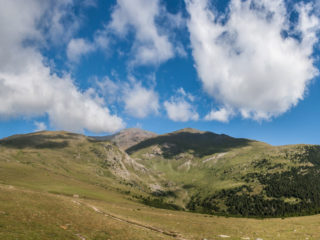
[185, 166]
[156, 150]
[214, 157]
[128, 137]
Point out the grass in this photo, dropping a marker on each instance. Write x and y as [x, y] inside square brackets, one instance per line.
[33, 215]
[27, 214]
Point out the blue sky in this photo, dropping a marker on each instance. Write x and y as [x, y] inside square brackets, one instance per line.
[243, 68]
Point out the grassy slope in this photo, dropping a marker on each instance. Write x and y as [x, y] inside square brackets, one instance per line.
[189, 168]
[29, 214]
[49, 160]
[37, 184]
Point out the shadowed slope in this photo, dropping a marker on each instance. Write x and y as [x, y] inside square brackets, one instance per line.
[44, 139]
[184, 140]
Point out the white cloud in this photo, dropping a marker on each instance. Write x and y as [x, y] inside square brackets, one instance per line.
[109, 89]
[40, 126]
[180, 50]
[183, 93]
[101, 39]
[246, 63]
[221, 115]
[150, 46]
[179, 109]
[140, 101]
[317, 7]
[59, 22]
[78, 47]
[28, 87]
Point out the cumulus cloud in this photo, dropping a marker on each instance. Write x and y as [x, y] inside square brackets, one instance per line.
[221, 115]
[150, 46]
[109, 89]
[140, 101]
[180, 111]
[29, 87]
[78, 47]
[40, 126]
[185, 94]
[59, 22]
[250, 59]
[179, 107]
[137, 100]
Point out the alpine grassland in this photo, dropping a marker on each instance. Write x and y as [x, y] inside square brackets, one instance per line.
[182, 185]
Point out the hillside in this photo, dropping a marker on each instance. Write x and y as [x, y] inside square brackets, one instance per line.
[128, 137]
[218, 174]
[49, 160]
[51, 183]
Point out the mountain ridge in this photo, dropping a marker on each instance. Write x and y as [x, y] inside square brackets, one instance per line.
[128, 137]
[190, 170]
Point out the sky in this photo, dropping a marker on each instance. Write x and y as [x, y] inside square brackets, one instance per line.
[246, 68]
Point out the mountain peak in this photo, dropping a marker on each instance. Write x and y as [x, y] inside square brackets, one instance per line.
[128, 137]
[133, 130]
[131, 136]
[189, 130]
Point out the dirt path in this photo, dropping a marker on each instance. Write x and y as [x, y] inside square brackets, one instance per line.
[155, 229]
[174, 235]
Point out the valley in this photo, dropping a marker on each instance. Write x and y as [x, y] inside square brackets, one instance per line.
[182, 185]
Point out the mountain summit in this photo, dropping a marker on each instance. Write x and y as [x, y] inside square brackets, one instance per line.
[189, 130]
[126, 138]
[199, 142]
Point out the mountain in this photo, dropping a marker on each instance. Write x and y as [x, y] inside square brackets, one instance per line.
[128, 137]
[51, 183]
[190, 140]
[72, 156]
[218, 174]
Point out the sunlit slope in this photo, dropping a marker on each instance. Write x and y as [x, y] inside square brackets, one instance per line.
[28, 214]
[211, 173]
[68, 163]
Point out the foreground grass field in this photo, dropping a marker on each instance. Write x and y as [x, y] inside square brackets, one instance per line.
[29, 214]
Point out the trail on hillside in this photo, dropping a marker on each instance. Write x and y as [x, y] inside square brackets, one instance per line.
[155, 229]
[174, 235]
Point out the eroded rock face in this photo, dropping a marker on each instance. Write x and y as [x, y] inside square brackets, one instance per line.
[122, 166]
[114, 159]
